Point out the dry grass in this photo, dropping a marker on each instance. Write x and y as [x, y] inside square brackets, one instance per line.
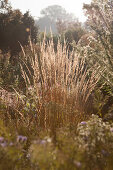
[61, 81]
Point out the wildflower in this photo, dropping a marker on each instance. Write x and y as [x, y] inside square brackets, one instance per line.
[85, 138]
[105, 153]
[111, 129]
[4, 144]
[49, 140]
[83, 123]
[35, 115]
[11, 144]
[43, 142]
[77, 163]
[21, 138]
[1, 139]
[28, 155]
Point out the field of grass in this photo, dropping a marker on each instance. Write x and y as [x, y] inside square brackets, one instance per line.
[50, 125]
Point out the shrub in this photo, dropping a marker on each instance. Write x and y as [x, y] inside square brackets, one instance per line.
[61, 83]
[95, 140]
[90, 147]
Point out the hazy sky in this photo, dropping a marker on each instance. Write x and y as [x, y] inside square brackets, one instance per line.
[35, 6]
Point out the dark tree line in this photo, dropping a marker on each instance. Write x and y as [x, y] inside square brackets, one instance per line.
[15, 29]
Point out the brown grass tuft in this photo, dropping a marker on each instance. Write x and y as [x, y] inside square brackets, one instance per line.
[62, 83]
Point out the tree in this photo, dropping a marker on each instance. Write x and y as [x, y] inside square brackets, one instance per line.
[99, 51]
[45, 24]
[15, 29]
[52, 15]
[100, 20]
[4, 6]
[67, 24]
[55, 12]
[73, 35]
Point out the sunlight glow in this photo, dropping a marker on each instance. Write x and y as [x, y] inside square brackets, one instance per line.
[35, 6]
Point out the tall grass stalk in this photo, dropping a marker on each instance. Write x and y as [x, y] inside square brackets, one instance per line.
[61, 81]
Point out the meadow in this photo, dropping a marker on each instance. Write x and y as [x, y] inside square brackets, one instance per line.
[51, 125]
[56, 99]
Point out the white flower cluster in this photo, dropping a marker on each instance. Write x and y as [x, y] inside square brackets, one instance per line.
[95, 133]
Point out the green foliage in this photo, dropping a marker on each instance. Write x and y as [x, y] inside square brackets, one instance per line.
[103, 102]
[93, 143]
[10, 74]
[97, 48]
[100, 46]
[95, 139]
[11, 151]
[72, 36]
[41, 128]
[15, 29]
